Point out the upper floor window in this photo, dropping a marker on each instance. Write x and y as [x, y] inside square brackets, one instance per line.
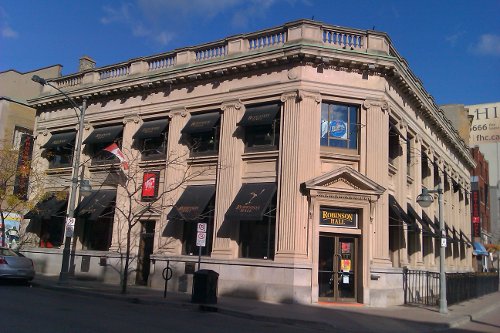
[100, 139]
[18, 134]
[151, 139]
[59, 149]
[203, 133]
[262, 127]
[339, 126]
[394, 144]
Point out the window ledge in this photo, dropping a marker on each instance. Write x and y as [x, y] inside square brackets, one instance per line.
[203, 159]
[341, 156]
[150, 163]
[56, 171]
[104, 167]
[392, 169]
[260, 154]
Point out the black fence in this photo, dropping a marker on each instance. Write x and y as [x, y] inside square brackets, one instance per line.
[422, 287]
[463, 286]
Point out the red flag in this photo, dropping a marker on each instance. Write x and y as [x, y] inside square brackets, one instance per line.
[115, 150]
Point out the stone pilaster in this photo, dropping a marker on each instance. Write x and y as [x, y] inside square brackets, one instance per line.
[300, 119]
[228, 177]
[176, 168]
[377, 156]
[127, 187]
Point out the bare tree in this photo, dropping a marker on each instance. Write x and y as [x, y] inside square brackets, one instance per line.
[20, 185]
[132, 208]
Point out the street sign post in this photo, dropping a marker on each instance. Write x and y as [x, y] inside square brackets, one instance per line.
[70, 226]
[201, 239]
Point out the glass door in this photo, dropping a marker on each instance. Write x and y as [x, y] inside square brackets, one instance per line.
[337, 268]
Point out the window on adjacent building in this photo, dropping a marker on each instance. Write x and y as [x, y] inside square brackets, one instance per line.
[339, 126]
[18, 134]
[262, 127]
[203, 133]
[151, 139]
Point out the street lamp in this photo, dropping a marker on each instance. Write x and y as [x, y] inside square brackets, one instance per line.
[84, 184]
[425, 199]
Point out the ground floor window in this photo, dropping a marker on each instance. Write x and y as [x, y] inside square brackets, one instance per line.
[52, 232]
[98, 233]
[257, 238]
[190, 231]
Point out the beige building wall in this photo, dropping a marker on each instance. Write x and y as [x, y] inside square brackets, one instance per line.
[300, 67]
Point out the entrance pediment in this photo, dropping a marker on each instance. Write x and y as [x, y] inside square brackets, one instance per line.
[344, 180]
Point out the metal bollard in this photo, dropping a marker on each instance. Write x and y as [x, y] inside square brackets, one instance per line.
[167, 275]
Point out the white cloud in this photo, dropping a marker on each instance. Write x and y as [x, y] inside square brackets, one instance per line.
[116, 14]
[488, 44]
[164, 37]
[454, 38]
[7, 32]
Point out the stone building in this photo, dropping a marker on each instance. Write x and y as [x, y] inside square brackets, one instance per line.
[302, 147]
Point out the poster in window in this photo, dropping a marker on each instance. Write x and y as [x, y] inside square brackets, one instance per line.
[338, 129]
[150, 182]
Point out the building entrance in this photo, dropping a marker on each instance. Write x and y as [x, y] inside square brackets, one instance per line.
[337, 268]
[146, 245]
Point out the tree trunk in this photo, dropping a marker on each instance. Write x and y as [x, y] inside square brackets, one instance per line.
[127, 257]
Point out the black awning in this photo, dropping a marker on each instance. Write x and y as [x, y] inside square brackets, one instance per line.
[60, 140]
[427, 220]
[465, 238]
[414, 215]
[252, 201]
[201, 123]
[47, 208]
[104, 134]
[398, 211]
[151, 129]
[93, 205]
[259, 115]
[192, 203]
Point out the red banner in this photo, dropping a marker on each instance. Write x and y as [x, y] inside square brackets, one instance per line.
[150, 185]
[475, 216]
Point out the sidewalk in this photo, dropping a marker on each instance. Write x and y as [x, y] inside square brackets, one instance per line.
[341, 318]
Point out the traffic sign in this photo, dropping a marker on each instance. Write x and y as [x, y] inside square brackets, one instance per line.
[70, 226]
[201, 239]
[202, 227]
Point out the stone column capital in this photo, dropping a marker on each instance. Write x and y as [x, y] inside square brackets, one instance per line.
[234, 104]
[299, 95]
[182, 112]
[373, 103]
[135, 118]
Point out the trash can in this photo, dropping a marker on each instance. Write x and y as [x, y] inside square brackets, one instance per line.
[205, 287]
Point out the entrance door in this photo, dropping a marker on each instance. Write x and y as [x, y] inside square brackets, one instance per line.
[146, 244]
[337, 268]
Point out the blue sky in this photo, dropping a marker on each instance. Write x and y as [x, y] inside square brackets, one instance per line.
[453, 46]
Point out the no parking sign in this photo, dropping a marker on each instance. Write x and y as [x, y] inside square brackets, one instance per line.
[201, 235]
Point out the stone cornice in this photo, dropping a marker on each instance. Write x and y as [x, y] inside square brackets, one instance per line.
[192, 66]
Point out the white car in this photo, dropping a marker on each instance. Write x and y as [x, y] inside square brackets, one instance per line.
[14, 265]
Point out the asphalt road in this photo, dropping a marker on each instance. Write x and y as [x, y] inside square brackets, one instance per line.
[31, 309]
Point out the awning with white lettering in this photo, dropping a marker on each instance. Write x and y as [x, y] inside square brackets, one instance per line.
[192, 203]
[251, 202]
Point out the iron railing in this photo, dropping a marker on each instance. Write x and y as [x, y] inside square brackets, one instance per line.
[422, 287]
[463, 286]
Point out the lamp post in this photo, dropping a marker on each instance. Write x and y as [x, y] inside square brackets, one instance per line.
[84, 184]
[425, 199]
